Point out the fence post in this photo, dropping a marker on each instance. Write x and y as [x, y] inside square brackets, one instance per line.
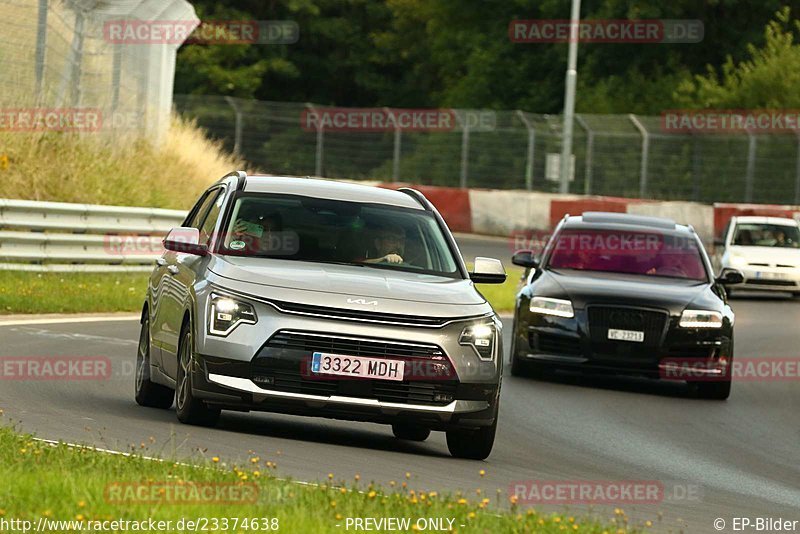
[695, 168]
[116, 73]
[396, 149]
[645, 154]
[71, 79]
[531, 149]
[751, 166]
[237, 139]
[464, 154]
[320, 151]
[41, 47]
[797, 171]
[587, 182]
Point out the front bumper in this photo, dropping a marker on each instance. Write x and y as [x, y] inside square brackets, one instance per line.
[767, 278]
[571, 344]
[265, 367]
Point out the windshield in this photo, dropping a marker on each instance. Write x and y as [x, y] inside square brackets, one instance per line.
[628, 252]
[333, 231]
[767, 235]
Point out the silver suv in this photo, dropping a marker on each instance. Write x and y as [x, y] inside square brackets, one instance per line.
[322, 298]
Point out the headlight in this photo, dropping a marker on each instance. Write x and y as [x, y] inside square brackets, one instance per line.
[737, 259]
[225, 314]
[482, 338]
[548, 306]
[700, 319]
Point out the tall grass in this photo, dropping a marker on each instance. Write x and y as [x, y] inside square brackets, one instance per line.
[91, 168]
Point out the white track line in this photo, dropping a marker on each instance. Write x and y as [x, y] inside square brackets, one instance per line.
[67, 320]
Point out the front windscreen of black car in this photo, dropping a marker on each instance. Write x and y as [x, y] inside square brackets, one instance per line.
[629, 251]
[294, 227]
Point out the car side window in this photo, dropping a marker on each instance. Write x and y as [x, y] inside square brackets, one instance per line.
[210, 221]
[200, 209]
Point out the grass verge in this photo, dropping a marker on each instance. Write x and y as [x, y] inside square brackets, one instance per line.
[60, 483]
[28, 292]
[70, 167]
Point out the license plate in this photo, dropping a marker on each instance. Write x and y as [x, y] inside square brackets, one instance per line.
[625, 335]
[771, 276]
[323, 363]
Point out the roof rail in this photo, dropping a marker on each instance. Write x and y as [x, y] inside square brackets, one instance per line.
[418, 196]
[241, 179]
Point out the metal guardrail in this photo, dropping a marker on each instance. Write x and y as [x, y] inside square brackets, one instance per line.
[60, 237]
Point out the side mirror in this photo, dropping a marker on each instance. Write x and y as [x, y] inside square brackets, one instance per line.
[525, 258]
[487, 271]
[730, 277]
[719, 242]
[186, 241]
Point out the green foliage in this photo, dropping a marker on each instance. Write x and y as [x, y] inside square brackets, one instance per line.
[451, 53]
[769, 78]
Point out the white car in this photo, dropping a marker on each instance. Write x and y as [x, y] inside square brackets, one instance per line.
[765, 249]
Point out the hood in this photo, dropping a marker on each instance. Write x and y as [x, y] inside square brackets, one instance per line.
[627, 290]
[769, 255]
[349, 286]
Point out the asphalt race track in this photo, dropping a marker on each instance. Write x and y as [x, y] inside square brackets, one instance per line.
[739, 458]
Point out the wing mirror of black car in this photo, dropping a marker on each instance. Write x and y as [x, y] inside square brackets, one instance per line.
[186, 241]
[730, 277]
[525, 258]
[487, 271]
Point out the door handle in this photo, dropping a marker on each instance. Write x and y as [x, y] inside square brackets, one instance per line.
[161, 262]
[173, 269]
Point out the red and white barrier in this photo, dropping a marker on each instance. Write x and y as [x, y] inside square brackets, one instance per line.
[506, 212]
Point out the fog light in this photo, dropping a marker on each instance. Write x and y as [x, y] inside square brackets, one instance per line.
[442, 397]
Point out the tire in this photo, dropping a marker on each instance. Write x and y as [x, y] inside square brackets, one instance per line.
[190, 410]
[796, 294]
[149, 393]
[410, 432]
[518, 367]
[714, 390]
[472, 444]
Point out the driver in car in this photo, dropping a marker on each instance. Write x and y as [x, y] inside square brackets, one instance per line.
[389, 244]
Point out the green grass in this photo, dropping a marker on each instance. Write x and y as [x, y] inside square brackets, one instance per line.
[28, 292]
[502, 296]
[64, 483]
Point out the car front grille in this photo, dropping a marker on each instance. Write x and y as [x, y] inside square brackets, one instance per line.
[284, 363]
[359, 315]
[309, 342]
[776, 283]
[603, 318]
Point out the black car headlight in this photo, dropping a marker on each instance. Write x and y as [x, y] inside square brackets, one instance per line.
[226, 313]
[482, 338]
[700, 319]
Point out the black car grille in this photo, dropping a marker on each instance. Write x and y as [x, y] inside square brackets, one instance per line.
[351, 346]
[369, 316]
[555, 344]
[777, 283]
[602, 318]
[283, 364]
